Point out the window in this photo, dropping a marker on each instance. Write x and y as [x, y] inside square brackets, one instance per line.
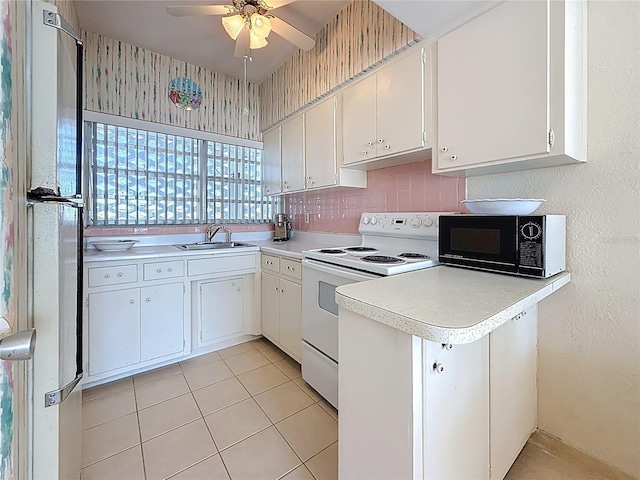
[141, 177]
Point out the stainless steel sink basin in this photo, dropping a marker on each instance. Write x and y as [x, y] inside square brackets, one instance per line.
[212, 245]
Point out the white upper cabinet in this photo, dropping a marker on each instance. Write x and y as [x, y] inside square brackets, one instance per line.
[510, 90]
[320, 144]
[271, 162]
[292, 142]
[385, 114]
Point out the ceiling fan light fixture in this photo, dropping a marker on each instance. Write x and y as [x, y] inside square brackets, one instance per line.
[233, 25]
[255, 41]
[260, 25]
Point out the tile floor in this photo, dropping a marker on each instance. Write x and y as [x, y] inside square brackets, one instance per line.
[242, 412]
[245, 413]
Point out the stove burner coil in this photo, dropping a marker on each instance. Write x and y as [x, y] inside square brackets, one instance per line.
[414, 255]
[331, 251]
[361, 249]
[381, 259]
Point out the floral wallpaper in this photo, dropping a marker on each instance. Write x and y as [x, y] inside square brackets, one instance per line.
[121, 79]
[360, 36]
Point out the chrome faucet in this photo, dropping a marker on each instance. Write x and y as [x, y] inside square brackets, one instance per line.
[212, 230]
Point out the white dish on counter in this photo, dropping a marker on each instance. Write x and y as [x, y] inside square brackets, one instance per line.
[113, 245]
[503, 206]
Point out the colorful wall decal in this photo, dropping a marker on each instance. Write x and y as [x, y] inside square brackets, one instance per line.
[185, 93]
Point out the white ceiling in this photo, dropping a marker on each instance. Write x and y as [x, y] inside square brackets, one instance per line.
[200, 40]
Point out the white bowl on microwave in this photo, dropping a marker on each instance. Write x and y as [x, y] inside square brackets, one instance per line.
[503, 206]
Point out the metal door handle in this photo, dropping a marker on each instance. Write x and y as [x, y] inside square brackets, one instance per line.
[19, 346]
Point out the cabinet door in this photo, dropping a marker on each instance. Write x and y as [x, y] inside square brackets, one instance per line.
[492, 87]
[514, 394]
[456, 415]
[320, 144]
[400, 105]
[359, 121]
[114, 330]
[271, 166]
[221, 309]
[291, 318]
[271, 307]
[161, 321]
[293, 155]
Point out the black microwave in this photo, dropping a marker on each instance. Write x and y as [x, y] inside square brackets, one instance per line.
[531, 246]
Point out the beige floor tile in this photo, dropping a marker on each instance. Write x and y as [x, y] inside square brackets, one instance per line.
[309, 431]
[161, 390]
[107, 408]
[261, 343]
[210, 469]
[330, 409]
[177, 450]
[244, 362]
[236, 350]
[220, 395]
[324, 466]
[300, 473]
[237, 422]
[306, 388]
[127, 464]
[263, 456]
[165, 416]
[283, 401]
[109, 438]
[107, 389]
[201, 360]
[263, 378]
[527, 467]
[290, 367]
[273, 353]
[204, 375]
[156, 374]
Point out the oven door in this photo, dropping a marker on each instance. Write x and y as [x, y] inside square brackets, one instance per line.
[487, 242]
[319, 307]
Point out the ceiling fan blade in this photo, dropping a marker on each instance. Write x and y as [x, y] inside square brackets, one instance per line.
[242, 44]
[292, 34]
[194, 10]
[277, 3]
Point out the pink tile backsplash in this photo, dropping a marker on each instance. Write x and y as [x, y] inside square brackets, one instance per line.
[162, 230]
[405, 188]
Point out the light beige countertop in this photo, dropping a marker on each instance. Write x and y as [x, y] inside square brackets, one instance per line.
[159, 251]
[446, 304]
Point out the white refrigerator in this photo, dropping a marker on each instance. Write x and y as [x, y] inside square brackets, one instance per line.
[55, 220]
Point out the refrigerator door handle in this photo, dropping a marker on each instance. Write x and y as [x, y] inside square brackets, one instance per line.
[17, 346]
[58, 396]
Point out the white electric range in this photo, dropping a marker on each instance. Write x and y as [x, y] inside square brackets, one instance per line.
[392, 243]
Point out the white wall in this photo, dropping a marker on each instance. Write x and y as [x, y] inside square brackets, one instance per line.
[589, 345]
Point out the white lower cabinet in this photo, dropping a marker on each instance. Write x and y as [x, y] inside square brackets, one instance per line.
[282, 303]
[161, 321]
[221, 309]
[411, 408]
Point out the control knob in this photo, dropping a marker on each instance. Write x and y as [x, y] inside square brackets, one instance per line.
[428, 221]
[416, 222]
[374, 220]
[365, 220]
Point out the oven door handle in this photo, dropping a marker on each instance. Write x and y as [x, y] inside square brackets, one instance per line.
[345, 273]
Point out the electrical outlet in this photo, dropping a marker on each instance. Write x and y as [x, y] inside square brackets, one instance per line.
[306, 218]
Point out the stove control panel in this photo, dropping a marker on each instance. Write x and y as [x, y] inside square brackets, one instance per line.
[410, 224]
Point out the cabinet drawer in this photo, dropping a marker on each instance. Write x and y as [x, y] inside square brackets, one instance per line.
[159, 270]
[270, 262]
[215, 265]
[291, 268]
[102, 276]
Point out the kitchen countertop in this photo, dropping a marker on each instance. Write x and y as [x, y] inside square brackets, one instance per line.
[446, 304]
[158, 251]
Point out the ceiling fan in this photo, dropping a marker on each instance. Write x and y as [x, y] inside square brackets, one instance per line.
[248, 22]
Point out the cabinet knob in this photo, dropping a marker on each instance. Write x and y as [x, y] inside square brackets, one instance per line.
[132, 302]
[238, 289]
[106, 275]
[444, 149]
[159, 270]
[147, 300]
[233, 284]
[447, 346]
[169, 269]
[281, 290]
[364, 152]
[381, 140]
[387, 147]
[276, 289]
[454, 157]
[438, 367]
[120, 274]
[370, 144]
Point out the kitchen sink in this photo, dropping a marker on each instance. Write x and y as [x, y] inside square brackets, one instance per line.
[212, 245]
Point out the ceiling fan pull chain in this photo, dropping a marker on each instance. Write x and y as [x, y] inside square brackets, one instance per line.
[245, 111]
